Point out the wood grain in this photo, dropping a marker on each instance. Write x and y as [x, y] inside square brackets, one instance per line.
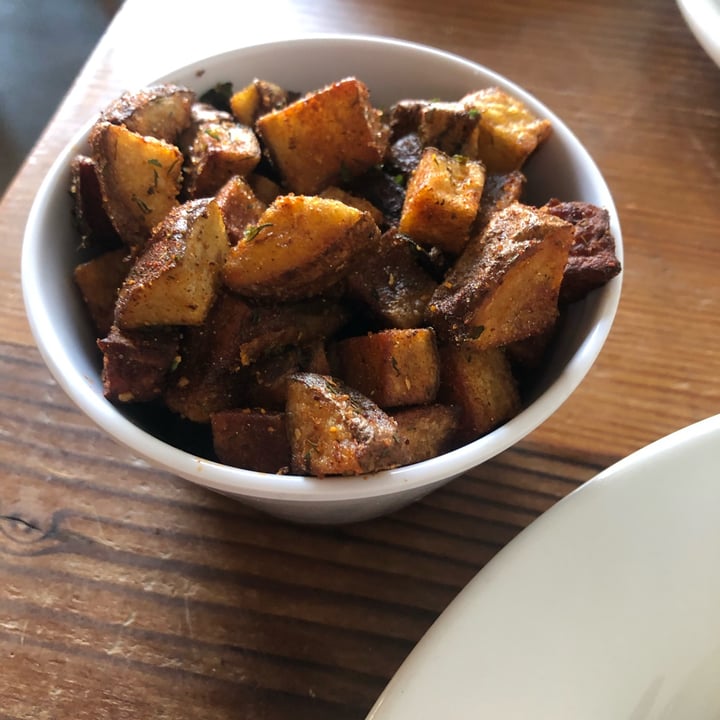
[126, 592]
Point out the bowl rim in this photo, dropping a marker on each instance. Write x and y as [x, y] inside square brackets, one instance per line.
[240, 482]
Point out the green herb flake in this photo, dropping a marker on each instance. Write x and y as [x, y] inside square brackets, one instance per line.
[252, 231]
[141, 204]
[474, 113]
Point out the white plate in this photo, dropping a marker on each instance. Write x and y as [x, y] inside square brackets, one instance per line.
[607, 607]
[703, 19]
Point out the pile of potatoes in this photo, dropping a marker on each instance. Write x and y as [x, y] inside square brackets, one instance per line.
[327, 287]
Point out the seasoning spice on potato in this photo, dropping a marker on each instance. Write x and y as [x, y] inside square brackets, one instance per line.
[321, 286]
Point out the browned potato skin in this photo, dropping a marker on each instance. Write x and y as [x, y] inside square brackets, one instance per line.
[175, 281]
[392, 285]
[160, 111]
[258, 98]
[592, 261]
[326, 135]
[392, 367]
[507, 131]
[300, 247]
[136, 363]
[426, 431]
[91, 220]
[140, 179]
[442, 200]
[481, 383]
[240, 207]
[334, 430]
[99, 280]
[251, 439]
[505, 285]
[220, 148]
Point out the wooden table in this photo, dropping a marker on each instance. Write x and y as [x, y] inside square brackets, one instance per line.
[125, 592]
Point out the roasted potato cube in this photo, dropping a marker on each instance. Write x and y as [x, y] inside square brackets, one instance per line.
[220, 148]
[442, 200]
[325, 137]
[507, 131]
[278, 326]
[392, 367]
[251, 439]
[258, 98]
[335, 430]
[89, 214]
[99, 280]
[446, 126]
[240, 207]
[392, 284]
[266, 386]
[404, 117]
[160, 111]
[236, 333]
[592, 261]
[140, 178]
[300, 247]
[175, 281]
[505, 285]
[480, 382]
[426, 431]
[136, 363]
[335, 193]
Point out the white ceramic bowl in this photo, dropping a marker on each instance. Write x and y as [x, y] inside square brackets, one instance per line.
[393, 70]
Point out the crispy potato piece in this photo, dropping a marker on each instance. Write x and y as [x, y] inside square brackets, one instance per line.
[327, 136]
[136, 363]
[89, 214]
[481, 383]
[392, 367]
[266, 386]
[442, 200]
[507, 131]
[404, 117]
[392, 283]
[592, 261]
[335, 193]
[220, 148]
[160, 111]
[334, 430]
[426, 431]
[447, 126]
[505, 285]
[278, 326]
[99, 280]
[140, 178]
[175, 281]
[300, 247]
[240, 207]
[251, 439]
[258, 98]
